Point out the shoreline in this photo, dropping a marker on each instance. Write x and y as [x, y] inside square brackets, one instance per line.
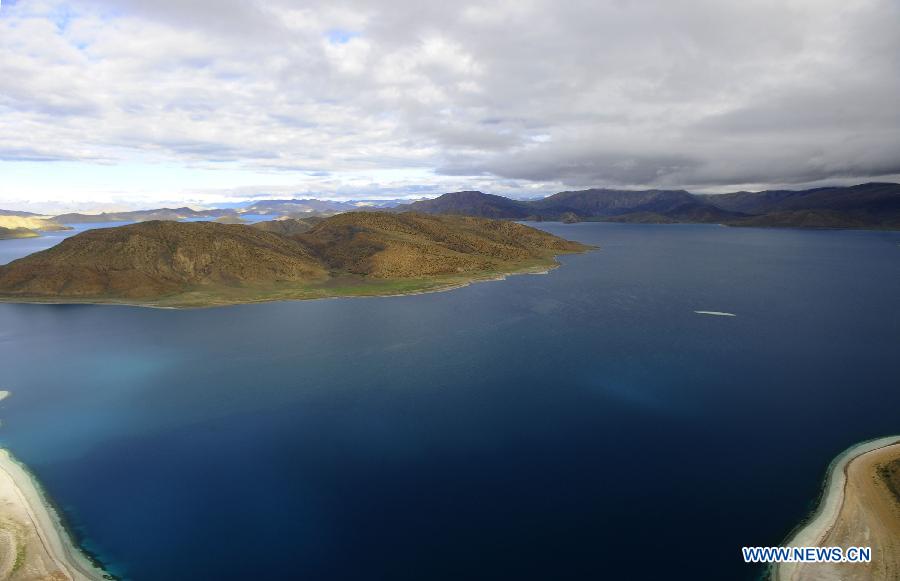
[17, 483]
[820, 523]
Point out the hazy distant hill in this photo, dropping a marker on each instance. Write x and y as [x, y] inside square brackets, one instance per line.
[295, 207]
[200, 263]
[144, 215]
[620, 205]
[471, 203]
[18, 213]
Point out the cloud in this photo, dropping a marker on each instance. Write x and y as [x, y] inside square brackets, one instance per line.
[531, 94]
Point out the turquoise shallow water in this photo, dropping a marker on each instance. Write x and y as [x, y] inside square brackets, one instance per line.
[562, 426]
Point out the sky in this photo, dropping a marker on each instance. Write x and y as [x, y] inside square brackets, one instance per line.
[140, 103]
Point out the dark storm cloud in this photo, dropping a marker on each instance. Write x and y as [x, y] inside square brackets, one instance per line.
[654, 93]
[578, 167]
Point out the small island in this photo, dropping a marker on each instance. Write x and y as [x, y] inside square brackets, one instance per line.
[200, 264]
[860, 507]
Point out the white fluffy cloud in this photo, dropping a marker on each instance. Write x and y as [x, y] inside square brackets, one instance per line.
[509, 96]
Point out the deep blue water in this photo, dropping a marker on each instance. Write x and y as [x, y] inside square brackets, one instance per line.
[585, 424]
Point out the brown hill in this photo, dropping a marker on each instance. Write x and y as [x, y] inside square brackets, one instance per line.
[469, 203]
[153, 259]
[288, 226]
[202, 263]
[411, 245]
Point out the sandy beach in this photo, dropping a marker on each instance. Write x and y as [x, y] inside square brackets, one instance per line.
[33, 543]
[858, 508]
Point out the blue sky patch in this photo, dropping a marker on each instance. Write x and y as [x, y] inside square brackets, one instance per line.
[340, 36]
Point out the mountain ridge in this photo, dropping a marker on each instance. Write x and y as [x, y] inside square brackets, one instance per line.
[872, 205]
[869, 205]
[181, 213]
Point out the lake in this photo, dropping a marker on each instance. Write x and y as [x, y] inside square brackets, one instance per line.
[583, 424]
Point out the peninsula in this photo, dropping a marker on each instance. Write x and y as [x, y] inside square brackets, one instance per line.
[196, 264]
[15, 226]
[13, 233]
[860, 507]
[33, 543]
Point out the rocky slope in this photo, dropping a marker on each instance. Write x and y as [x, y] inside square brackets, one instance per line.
[153, 259]
[411, 245]
[288, 226]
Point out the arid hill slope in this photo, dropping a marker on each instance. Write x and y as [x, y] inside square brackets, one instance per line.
[409, 245]
[152, 259]
[288, 226]
[161, 262]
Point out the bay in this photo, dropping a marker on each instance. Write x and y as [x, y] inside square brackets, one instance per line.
[587, 423]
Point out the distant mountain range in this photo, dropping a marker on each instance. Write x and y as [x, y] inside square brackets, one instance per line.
[296, 207]
[143, 215]
[874, 205]
[617, 205]
[281, 208]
